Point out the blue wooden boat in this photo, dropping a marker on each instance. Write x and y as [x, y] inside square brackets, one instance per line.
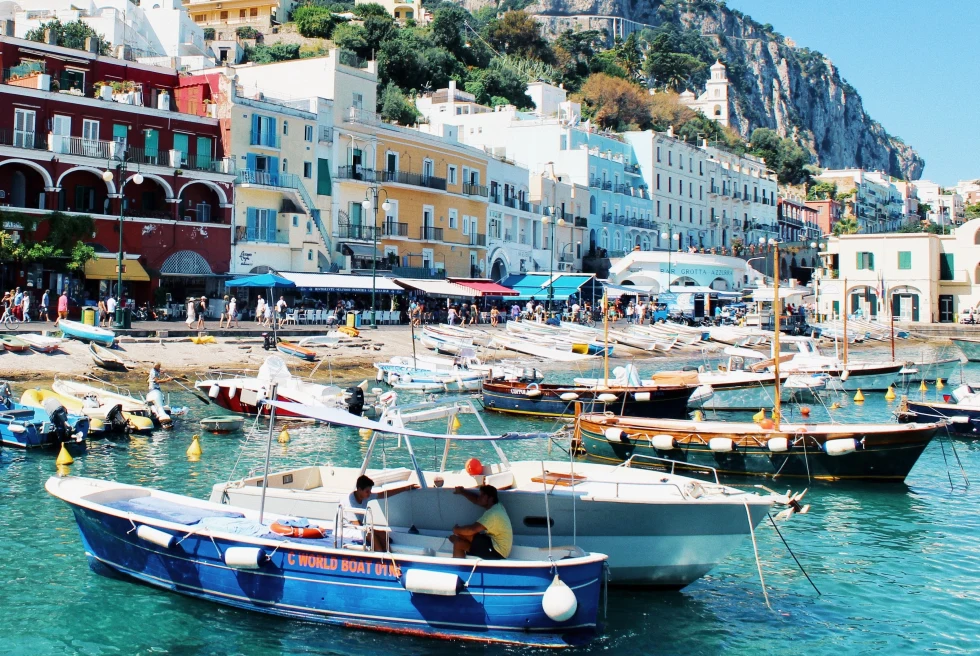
[229, 556]
[86, 333]
[547, 400]
[29, 427]
[295, 350]
[960, 409]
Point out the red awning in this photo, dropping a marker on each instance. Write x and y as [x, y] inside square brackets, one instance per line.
[485, 287]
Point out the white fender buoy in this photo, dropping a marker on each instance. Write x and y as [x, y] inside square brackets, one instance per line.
[569, 396]
[663, 442]
[614, 434]
[214, 390]
[778, 444]
[442, 584]
[606, 398]
[244, 557]
[721, 444]
[232, 392]
[379, 376]
[840, 446]
[642, 397]
[156, 536]
[559, 601]
[376, 391]
[533, 393]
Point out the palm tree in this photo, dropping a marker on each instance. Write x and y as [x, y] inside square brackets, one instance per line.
[847, 226]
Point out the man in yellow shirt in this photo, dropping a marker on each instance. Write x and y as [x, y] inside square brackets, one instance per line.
[491, 537]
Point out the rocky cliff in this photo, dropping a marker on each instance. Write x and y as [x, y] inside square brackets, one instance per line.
[795, 91]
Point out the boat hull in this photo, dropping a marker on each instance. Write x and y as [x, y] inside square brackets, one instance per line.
[25, 427]
[82, 332]
[346, 588]
[961, 421]
[969, 347]
[668, 402]
[884, 457]
[296, 351]
[930, 371]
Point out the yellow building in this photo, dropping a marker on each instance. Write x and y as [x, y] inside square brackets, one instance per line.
[225, 16]
[402, 10]
[434, 224]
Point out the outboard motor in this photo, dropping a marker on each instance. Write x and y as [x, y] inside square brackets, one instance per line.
[115, 421]
[355, 400]
[5, 394]
[158, 408]
[268, 342]
[59, 419]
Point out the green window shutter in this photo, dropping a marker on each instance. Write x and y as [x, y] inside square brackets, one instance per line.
[119, 132]
[905, 259]
[203, 152]
[152, 143]
[860, 261]
[324, 186]
[871, 261]
[915, 307]
[946, 266]
[180, 144]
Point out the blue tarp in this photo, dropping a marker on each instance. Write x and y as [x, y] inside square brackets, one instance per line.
[536, 285]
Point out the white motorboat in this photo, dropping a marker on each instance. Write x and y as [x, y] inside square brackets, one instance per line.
[658, 528]
[800, 355]
[558, 352]
[404, 363]
[102, 394]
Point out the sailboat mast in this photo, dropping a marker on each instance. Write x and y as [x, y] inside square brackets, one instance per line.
[891, 322]
[775, 339]
[605, 335]
[844, 307]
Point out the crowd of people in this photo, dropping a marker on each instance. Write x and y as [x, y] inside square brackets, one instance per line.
[17, 306]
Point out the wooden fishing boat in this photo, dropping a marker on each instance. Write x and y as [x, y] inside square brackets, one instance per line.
[42, 343]
[544, 400]
[223, 423]
[830, 452]
[295, 350]
[107, 359]
[86, 333]
[14, 344]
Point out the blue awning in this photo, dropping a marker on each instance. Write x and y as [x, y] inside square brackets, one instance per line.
[262, 280]
[536, 285]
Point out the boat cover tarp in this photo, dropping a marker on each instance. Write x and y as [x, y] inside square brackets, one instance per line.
[167, 510]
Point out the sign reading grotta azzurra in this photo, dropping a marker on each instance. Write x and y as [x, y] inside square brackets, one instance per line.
[706, 272]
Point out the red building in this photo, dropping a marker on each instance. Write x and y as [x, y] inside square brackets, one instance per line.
[69, 116]
[828, 213]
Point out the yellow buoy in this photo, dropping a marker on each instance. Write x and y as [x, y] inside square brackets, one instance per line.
[776, 415]
[939, 383]
[835, 406]
[923, 387]
[759, 416]
[365, 433]
[456, 425]
[64, 458]
[194, 450]
[859, 398]
[890, 394]
[284, 436]
[698, 415]
[64, 470]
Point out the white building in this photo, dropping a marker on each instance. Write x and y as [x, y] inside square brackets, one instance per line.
[652, 271]
[713, 103]
[927, 278]
[874, 200]
[946, 205]
[159, 33]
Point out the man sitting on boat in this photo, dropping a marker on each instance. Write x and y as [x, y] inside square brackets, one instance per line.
[491, 536]
[355, 507]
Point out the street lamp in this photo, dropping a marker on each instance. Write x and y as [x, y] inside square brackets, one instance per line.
[118, 321]
[370, 204]
[669, 237]
[546, 220]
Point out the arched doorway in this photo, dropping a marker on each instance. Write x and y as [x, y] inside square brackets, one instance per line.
[719, 284]
[18, 189]
[905, 302]
[24, 183]
[498, 271]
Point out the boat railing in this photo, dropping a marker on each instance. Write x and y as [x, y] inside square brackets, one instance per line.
[366, 528]
[224, 374]
[106, 385]
[673, 464]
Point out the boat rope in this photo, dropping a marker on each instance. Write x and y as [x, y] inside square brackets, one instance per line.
[800, 565]
[755, 548]
[605, 589]
[806, 461]
[946, 462]
[472, 572]
[547, 507]
[952, 446]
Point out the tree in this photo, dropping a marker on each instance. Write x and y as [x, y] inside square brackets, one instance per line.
[314, 21]
[80, 254]
[247, 32]
[499, 84]
[972, 211]
[262, 54]
[629, 57]
[518, 33]
[70, 35]
[377, 30]
[911, 226]
[370, 9]
[351, 37]
[448, 25]
[783, 156]
[822, 191]
[847, 226]
[396, 108]
[614, 103]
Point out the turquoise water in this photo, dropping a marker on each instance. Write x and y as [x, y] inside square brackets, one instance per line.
[898, 565]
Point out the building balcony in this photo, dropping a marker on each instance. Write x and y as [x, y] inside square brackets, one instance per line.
[264, 139]
[475, 190]
[253, 235]
[607, 218]
[428, 233]
[632, 168]
[395, 229]
[476, 239]
[419, 273]
[607, 185]
[622, 220]
[356, 231]
[581, 222]
[374, 176]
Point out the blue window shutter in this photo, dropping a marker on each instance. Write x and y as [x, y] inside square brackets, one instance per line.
[255, 129]
[272, 225]
[274, 169]
[251, 222]
[250, 161]
[272, 137]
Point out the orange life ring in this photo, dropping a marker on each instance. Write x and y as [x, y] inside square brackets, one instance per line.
[307, 532]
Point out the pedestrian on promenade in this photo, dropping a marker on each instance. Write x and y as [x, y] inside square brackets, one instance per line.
[62, 307]
[25, 306]
[102, 313]
[451, 315]
[224, 314]
[281, 311]
[260, 311]
[233, 312]
[17, 310]
[494, 316]
[191, 314]
[202, 307]
[45, 301]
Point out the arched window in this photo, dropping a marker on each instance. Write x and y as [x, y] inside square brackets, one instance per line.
[604, 239]
[717, 110]
[592, 205]
[285, 165]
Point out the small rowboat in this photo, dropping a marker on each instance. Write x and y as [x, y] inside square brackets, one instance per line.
[14, 343]
[42, 343]
[330, 339]
[295, 350]
[222, 423]
[107, 359]
[85, 333]
[350, 332]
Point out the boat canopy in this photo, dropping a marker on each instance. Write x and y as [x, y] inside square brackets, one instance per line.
[344, 418]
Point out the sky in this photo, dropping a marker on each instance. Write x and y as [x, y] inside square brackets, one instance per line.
[914, 63]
